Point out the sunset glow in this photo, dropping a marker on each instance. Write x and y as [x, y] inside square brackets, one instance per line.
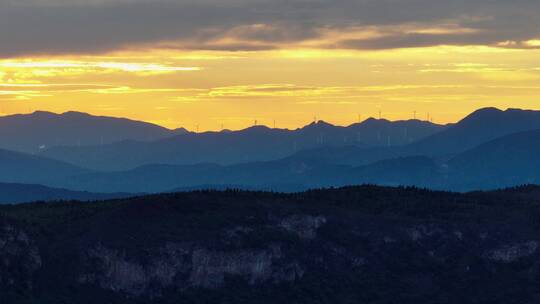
[175, 88]
[253, 63]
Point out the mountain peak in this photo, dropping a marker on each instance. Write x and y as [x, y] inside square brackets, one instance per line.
[493, 115]
[42, 114]
[374, 121]
[75, 113]
[319, 124]
[31, 132]
[371, 119]
[483, 115]
[487, 110]
[180, 131]
[257, 128]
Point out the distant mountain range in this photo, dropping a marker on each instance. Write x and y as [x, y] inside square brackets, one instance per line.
[257, 143]
[489, 149]
[489, 166]
[22, 193]
[481, 126]
[286, 175]
[478, 128]
[34, 132]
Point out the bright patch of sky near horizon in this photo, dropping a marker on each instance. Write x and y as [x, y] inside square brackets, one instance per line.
[231, 71]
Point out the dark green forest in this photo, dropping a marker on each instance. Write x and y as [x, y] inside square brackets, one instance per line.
[363, 244]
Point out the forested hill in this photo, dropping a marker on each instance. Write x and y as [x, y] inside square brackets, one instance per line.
[353, 245]
[23, 193]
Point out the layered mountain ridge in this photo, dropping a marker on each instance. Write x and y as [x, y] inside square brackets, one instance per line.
[488, 149]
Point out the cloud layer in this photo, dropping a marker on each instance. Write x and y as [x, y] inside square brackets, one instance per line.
[95, 26]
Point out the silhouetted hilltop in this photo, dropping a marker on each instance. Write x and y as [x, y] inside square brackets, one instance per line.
[477, 128]
[34, 132]
[353, 245]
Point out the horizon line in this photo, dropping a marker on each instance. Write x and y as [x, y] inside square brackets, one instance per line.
[269, 126]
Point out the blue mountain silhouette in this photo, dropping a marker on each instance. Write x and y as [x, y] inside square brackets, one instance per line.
[34, 132]
[257, 143]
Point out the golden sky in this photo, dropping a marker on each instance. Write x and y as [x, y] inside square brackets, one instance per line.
[234, 71]
[290, 86]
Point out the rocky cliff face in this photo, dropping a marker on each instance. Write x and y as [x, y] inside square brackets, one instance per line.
[19, 258]
[304, 226]
[182, 266]
[265, 248]
[187, 265]
[513, 252]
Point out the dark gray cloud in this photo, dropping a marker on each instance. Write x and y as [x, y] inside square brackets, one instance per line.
[73, 26]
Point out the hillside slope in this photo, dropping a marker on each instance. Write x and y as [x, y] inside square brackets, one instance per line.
[507, 161]
[479, 127]
[30, 169]
[31, 133]
[352, 245]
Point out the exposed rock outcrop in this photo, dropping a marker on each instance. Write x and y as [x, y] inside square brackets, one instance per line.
[512, 253]
[114, 270]
[305, 226]
[19, 257]
[181, 266]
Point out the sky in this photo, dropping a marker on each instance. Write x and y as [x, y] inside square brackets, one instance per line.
[212, 64]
